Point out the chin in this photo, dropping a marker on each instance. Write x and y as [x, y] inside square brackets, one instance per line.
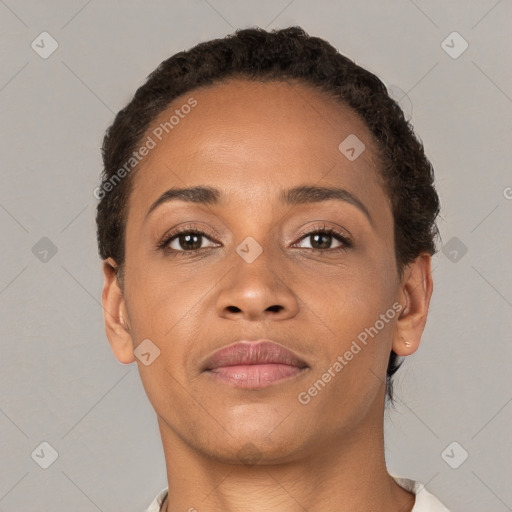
[257, 446]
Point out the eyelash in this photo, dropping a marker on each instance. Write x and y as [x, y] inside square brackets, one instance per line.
[188, 230]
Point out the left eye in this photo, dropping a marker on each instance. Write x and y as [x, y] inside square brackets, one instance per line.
[323, 240]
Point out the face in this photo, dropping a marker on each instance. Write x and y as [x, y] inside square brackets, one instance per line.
[315, 273]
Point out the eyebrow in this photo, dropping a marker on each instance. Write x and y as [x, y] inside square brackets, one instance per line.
[302, 194]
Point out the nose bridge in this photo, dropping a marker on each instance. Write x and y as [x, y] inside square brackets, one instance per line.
[256, 260]
[255, 231]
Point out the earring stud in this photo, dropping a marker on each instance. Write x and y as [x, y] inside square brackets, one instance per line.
[407, 343]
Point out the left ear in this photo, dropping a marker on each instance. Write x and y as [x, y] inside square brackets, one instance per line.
[416, 290]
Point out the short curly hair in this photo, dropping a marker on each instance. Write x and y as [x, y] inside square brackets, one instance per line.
[286, 54]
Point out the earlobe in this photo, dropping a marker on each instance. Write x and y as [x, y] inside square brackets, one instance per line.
[116, 316]
[415, 294]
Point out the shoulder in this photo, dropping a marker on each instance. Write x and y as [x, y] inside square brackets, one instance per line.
[425, 501]
[157, 502]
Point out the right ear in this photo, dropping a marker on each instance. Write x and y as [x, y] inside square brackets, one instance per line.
[115, 314]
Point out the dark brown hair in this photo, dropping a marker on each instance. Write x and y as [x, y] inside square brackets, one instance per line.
[286, 54]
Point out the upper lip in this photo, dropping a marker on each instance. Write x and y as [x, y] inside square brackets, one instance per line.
[252, 352]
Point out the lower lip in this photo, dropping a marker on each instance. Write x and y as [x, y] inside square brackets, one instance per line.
[255, 375]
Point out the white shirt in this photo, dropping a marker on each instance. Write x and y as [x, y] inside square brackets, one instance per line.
[425, 502]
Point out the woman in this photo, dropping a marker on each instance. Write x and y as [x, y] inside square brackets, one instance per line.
[267, 222]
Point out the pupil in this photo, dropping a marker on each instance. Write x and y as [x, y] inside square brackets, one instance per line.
[185, 241]
[325, 245]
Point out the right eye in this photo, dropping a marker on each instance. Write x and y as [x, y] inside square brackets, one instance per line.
[183, 240]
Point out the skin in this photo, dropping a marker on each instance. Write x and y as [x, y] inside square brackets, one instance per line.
[251, 140]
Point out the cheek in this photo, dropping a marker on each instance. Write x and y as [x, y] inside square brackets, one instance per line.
[160, 303]
[169, 307]
[359, 289]
[358, 309]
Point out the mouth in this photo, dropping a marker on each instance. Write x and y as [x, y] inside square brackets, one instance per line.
[258, 364]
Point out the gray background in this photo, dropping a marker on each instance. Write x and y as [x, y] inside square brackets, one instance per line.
[60, 382]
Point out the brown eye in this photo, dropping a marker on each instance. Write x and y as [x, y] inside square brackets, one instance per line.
[321, 240]
[184, 240]
[189, 241]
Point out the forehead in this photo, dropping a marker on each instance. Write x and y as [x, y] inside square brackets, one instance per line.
[252, 139]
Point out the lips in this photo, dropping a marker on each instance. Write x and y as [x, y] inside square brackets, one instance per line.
[253, 364]
[252, 353]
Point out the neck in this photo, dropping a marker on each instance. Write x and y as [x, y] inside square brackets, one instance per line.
[340, 474]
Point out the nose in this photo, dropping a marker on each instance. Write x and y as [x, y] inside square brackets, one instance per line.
[256, 291]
